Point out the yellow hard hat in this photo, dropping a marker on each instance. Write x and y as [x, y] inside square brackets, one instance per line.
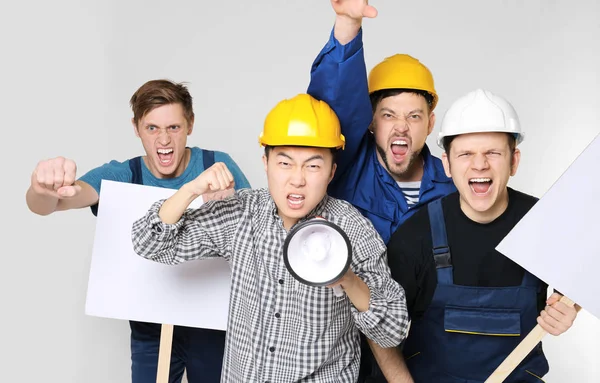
[402, 71]
[302, 121]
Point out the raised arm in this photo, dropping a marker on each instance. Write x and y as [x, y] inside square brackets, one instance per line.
[171, 233]
[339, 76]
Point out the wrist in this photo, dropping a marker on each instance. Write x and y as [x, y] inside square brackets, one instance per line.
[348, 22]
[346, 29]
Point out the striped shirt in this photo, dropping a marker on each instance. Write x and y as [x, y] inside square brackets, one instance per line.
[280, 330]
[410, 191]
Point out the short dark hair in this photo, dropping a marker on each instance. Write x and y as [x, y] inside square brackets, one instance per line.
[269, 148]
[157, 93]
[447, 141]
[379, 95]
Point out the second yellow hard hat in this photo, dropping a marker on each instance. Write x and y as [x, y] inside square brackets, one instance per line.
[402, 71]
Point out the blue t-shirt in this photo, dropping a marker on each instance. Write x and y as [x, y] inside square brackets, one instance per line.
[120, 172]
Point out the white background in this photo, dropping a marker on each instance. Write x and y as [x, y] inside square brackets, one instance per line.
[68, 69]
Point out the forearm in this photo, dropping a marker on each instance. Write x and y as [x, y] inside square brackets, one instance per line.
[358, 292]
[346, 29]
[40, 203]
[173, 208]
[391, 362]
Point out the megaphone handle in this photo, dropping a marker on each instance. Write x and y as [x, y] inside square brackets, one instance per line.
[338, 291]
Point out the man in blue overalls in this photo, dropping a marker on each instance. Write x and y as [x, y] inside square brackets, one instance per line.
[386, 171]
[470, 305]
[163, 118]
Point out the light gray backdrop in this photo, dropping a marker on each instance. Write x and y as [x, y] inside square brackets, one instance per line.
[69, 68]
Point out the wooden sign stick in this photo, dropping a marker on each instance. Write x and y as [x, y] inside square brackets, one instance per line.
[521, 351]
[164, 353]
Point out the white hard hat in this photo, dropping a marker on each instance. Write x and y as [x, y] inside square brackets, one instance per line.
[480, 111]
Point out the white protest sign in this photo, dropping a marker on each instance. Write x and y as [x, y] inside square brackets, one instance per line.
[558, 239]
[122, 285]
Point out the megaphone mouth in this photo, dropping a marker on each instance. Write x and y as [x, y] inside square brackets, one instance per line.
[312, 252]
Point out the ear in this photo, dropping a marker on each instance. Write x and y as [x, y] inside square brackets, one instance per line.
[333, 169]
[372, 126]
[265, 160]
[516, 158]
[190, 126]
[135, 128]
[446, 163]
[431, 123]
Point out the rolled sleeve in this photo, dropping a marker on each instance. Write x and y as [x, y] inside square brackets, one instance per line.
[386, 320]
[205, 232]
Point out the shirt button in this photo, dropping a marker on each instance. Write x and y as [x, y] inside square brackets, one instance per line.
[277, 315]
[272, 349]
[281, 281]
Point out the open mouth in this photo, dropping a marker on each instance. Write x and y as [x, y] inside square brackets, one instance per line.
[399, 149]
[165, 156]
[295, 200]
[480, 186]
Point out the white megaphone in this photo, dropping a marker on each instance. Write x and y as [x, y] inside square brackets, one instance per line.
[317, 253]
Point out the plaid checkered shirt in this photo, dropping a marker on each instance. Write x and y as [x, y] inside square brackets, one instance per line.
[280, 330]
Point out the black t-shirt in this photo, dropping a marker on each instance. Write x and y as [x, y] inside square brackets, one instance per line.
[472, 247]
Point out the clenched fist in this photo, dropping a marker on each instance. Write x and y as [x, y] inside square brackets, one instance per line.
[354, 9]
[55, 177]
[217, 178]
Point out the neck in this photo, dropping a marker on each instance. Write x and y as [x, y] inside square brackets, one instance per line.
[487, 216]
[288, 222]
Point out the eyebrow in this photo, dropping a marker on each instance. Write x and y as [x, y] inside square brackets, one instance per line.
[315, 157]
[418, 110]
[168, 125]
[384, 109]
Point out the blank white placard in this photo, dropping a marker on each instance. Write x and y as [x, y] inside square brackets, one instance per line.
[123, 285]
[559, 239]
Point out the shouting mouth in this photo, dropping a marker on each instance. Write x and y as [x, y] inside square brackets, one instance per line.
[165, 156]
[480, 186]
[399, 149]
[295, 201]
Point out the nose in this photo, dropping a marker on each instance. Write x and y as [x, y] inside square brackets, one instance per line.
[164, 138]
[298, 178]
[401, 126]
[479, 162]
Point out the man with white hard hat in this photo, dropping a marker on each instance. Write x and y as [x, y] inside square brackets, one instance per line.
[470, 305]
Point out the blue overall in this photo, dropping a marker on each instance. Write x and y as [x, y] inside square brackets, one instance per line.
[198, 351]
[466, 332]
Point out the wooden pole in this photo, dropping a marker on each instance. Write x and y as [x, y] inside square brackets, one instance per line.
[164, 353]
[521, 351]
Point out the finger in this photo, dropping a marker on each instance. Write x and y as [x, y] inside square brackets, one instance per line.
[369, 12]
[555, 297]
[549, 329]
[213, 182]
[562, 308]
[229, 175]
[69, 191]
[222, 178]
[554, 313]
[59, 178]
[70, 173]
[556, 326]
[48, 178]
